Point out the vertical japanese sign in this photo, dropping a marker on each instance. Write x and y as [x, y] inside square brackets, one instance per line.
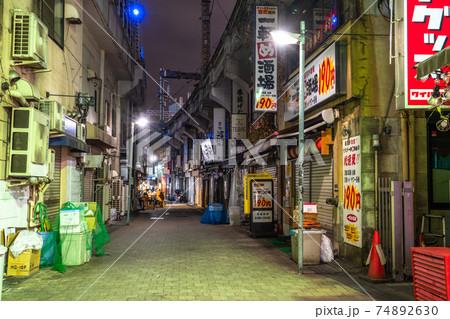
[265, 59]
[427, 29]
[240, 99]
[219, 134]
[351, 152]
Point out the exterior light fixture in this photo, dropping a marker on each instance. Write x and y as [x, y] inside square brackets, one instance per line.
[447, 92]
[284, 37]
[142, 121]
[443, 124]
[436, 98]
[376, 141]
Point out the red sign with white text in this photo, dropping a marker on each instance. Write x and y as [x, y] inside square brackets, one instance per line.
[427, 30]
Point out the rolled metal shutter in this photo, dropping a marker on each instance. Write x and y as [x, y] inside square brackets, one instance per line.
[52, 195]
[306, 182]
[321, 186]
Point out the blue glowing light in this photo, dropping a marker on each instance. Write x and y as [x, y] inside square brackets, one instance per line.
[333, 20]
[136, 11]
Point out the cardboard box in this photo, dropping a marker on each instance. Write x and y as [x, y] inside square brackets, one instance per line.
[27, 263]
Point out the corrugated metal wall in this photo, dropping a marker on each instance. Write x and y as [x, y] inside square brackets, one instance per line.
[52, 195]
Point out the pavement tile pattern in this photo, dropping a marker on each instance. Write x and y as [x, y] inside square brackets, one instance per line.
[176, 258]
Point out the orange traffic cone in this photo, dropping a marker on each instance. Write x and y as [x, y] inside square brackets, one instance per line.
[376, 259]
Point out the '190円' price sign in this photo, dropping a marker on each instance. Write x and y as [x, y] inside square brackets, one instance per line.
[351, 152]
[262, 194]
[265, 59]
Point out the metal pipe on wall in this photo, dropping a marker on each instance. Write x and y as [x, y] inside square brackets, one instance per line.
[404, 137]
[412, 147]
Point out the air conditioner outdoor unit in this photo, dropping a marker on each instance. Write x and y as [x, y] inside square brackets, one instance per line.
[94, 161]
[106, 128]
[57, 113]
[103, 174]
[106, 203]
[29, 143]
[116, 195]
[29, 40]
[81, 132]
[124, 199]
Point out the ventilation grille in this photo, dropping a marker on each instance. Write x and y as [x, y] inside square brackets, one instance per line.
[21, 47]
[431, 273]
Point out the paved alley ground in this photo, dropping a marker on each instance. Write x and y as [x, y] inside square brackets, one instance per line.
[177, 258]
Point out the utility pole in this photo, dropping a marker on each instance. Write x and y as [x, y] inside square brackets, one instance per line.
[206, 35]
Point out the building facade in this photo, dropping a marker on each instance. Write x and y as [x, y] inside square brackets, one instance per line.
[78, 66]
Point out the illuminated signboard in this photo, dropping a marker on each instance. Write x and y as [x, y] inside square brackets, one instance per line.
[265, 59]
[321, 80]
[426, 32]
[351, 153]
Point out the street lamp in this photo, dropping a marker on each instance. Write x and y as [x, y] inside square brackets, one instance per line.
[140, 122]
[284, 37]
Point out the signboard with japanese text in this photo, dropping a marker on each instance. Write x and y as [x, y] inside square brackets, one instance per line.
[262, 216]
[240, 99]
[238, 126]
[265, 59]
[427, 29]
[328, 25]
[351, 152]
[321, 77]
[262, 196]
[219, 134]
[207, 150]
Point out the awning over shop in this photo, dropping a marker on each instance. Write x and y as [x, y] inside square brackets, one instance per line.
[75, 144]
[434, 62]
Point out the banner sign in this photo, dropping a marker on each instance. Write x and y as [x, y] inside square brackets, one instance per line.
[351, 152]
[238, 126]
[320, 83]
[427, 29]
[265, 59]
[219, 134]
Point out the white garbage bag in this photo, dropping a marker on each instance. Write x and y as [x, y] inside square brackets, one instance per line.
[26, 240]
[326, 250]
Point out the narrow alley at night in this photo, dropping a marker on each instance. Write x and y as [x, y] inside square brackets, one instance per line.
[226, 150]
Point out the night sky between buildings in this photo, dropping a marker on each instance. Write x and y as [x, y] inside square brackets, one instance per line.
[171, 38]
